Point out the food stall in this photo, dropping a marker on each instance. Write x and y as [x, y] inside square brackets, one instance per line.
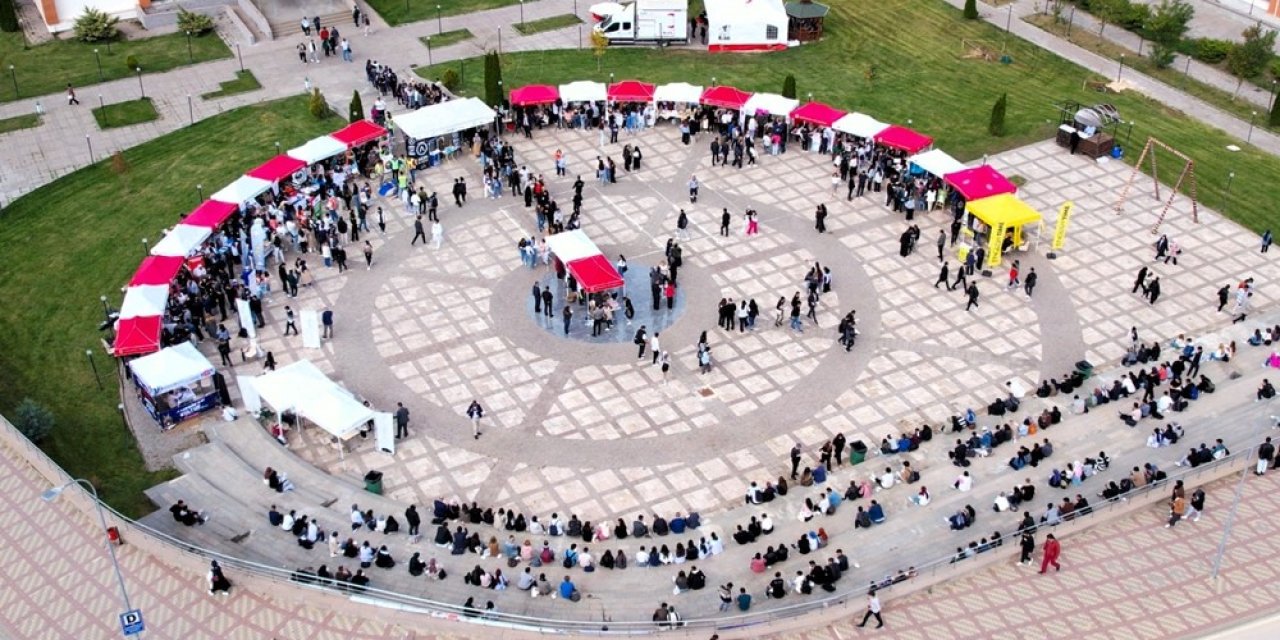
[175, 384]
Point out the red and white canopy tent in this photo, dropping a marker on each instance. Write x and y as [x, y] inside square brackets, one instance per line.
[585, 261]
[136, 336]
[156, 270]
[534, 94]
[817, 113]
[630, 91]
[899, 137]
[210, 214]
[276, 169]
[725, 97]
[980, 182]
[358, 133]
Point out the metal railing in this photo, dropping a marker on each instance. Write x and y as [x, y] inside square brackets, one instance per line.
[924, 574]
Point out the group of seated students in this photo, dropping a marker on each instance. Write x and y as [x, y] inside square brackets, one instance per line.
[1202, 455]
[819, 575]
[1032, 456]
[1068, 509]
[1175, 398]
[1149, 473]
[905, 443]
[755, 528]
[187, 516]
[1064, 385]
[1170, 435]
[340, 578]
[978, 546]
[1265, 336]
[509, 520]
[962, 519]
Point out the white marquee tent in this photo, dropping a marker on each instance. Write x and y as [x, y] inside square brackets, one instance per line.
[770, 103]
[170, 368]
[144, 301]
[572, 245]
[859, 124]
[181, 241]
[318, 149]
[677, 92]
[445, 118]
[937, 162]
[583, 91]
[305, 390]
[244, 189]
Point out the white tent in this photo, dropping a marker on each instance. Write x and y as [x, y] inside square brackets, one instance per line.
[318, 149]
[445, 118]
[572, 245]
[677, 92]
[770, 103]
[305, 390]
[583, 91]
[244, 189]
[170, 368]
[145, 301]
[937, 162]
[181, 241]
[746, 25]
[859, 124]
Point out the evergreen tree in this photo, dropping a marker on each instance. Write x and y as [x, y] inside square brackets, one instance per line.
[970, 9]
[996, 128]
[789, 87]
[356, 110]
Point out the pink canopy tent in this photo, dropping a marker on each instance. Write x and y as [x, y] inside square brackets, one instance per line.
[276, 169]
[358, 133]
[156, 270]
[980, 182]
[725, 97]
[631, 91]
[137, 336]
[899, 137]
[535, 94]
[595, 274]
[817, 113]
[210, 214]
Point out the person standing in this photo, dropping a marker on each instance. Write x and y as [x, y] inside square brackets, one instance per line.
[873, 609]
[1052, 550]
[547, 299]
[475, 412]
[972, 292]
[1153, 290]
[1030, 284]
[418, 231]
[437, 233]
[1266, 452]
[402, 421]
[820, 219]
[326, 320]
[641, 340]
[413, 519]
[567, 315]
[682, 225]
[1028, 548]
[942, 243]
[368, 255]
[693, 188]
[537, 299]
[289, 324]
[725, 218]
[655, 346]
[795, 460]
[218, 582]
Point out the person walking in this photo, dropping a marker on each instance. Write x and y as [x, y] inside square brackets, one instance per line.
[641, 340]
[655, 346]
[475, 412]
[1028, 548]
[326, 321]
[289, 324]
[402, 421]
[1177, 509]
[437, 234]
[942, 243]
[71, 99]
[1030, 283]
[567, 315]
[1052, 551]
[368, 255]
[873, 609]
[418, 231]
[972, 292]
[1266, 240]
[820, 219]
[725, 218]
[1266, 452]
[547, 299]
[218, 582]
[693, 188]
[942, 276]
[682, 225]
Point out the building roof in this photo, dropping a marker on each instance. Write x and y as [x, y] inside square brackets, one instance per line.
[805, 10]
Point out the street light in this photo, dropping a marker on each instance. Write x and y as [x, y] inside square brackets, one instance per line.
[1254, 116]
[145, 247]
[199, 193]
[191, 112]
[190, 57]
[1226, 197]
[106, 311]
[239, 57]
[521, 13]
[93, 365]
[1121, 71]
[1070, 21]
[52, 493]
[713, 81]
[439, 24]
[429, 51]
[97, 56]
[13, 73]
[140, 89]
[277, 148]
[1272, 103]
[499, 41]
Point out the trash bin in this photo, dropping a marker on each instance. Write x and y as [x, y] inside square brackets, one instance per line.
[1085, 369]
[857, 452]
[373, 482]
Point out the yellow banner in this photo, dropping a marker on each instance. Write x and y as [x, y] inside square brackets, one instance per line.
[1060, 231]
[995, 244]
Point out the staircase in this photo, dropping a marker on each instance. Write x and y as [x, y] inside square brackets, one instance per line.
[293, 28]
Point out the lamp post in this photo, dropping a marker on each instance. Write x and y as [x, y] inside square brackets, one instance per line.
[145, 247]
[239, 58]
[713, 81]
[1226, 197]
[1008, 23]
[1254, 116]
[1070, 21]
[522, 13]
[499, 41]
[141, 90]
[190, 56]
[277, 148]
[1272, 103]
[1121, 71]
[199, 193]
[439, 24]
[93, 365]
[90, 143]
[429, 51]
[97, 56]
[191, 111]
[13, 73]
[52, 493]
[106, 311]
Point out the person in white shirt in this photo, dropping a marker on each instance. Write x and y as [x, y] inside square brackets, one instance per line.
[642, 557]
[887, 479]
[585, 560]
[1164, 403]
[1001, 503]
[964, 482]
[766, 524]
[717, 545]
[922, 498]
[288, 522]
[357, 518]
[535, 527]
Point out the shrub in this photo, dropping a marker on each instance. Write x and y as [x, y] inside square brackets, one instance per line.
[197, 23]
[355, 112]
[450, 79]
[131, 62]
[1212, 50]
[789, 87]
[95, 26]
[8, 18]
[33, 420]
[119, 165]
[996, 127]
[317, 106]
[1274, 68]
[970, 9]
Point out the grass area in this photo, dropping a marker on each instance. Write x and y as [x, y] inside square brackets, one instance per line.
[243, 83]
[548, 24]
[47, 68]
[18, 123]
[72, 254]
[123, 114]
[447, 38]
[397, 12]
[925, 75]
[1171, 76]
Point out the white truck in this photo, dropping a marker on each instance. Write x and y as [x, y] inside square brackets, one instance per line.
[647, 21]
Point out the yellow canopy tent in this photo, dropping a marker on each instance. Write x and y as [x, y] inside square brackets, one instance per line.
[1002, 213]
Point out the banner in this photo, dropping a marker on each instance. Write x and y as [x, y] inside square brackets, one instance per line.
[995, 243]
[1060, 231]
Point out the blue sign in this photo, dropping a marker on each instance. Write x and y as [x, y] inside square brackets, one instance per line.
[131, 622]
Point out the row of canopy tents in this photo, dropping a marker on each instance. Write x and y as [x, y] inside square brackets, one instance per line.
[147, 294]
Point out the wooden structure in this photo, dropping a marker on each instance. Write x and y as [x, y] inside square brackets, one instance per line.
[804, 20]
[1188, 174]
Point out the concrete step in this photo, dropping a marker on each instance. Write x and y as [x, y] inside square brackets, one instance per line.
[293, 28]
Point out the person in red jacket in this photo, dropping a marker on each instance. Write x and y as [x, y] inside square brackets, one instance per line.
[1052, 549]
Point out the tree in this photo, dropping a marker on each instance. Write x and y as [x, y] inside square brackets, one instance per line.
[33, 420]
[996, 128]
[317, 106]
[1247, 59]
[1274, 120]
[492, 79]
[95, 26]
[599, 44]
[1108, 11]
[1165, 27]
[8, 19]
[970, 9]
[789, 87]
[355, 112]
[197, 23]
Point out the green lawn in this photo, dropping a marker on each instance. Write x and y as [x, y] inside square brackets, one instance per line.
[397, 12]
[1171, 76]
[244, 82]
[17, 123]
[123, 114]
[447, 38]
[47, 68]
[548, 24]
[60, 255]
[923, 74]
